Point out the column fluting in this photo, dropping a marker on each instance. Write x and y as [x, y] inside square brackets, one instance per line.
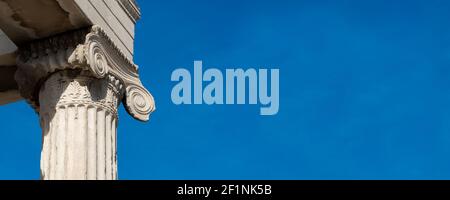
[78, 116]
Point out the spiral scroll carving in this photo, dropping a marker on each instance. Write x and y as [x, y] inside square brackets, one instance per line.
[88, 50]
[97, 60]
[139, 102]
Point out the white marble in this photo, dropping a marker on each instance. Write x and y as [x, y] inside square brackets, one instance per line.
[79, 121]
[80, 79]
[74, 67]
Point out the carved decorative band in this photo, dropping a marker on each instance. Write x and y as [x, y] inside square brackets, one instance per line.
[73, 88]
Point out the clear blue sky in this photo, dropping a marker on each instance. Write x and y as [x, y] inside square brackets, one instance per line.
[364, 94]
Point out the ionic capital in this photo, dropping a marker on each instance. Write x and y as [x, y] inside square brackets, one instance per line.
[89, 50]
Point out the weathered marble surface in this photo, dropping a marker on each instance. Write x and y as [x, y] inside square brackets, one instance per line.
[72, 61]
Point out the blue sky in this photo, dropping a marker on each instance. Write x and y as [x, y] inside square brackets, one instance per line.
[364, 94]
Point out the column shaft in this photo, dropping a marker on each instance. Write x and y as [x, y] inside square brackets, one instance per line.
[79, 127]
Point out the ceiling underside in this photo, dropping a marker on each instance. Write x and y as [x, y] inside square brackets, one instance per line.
[22, 21]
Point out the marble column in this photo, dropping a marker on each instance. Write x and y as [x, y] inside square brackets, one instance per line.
[78, 116]
[75, 81]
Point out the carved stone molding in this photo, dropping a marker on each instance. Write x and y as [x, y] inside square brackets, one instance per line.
[76, 87]
[88, 50]
[131, 8]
